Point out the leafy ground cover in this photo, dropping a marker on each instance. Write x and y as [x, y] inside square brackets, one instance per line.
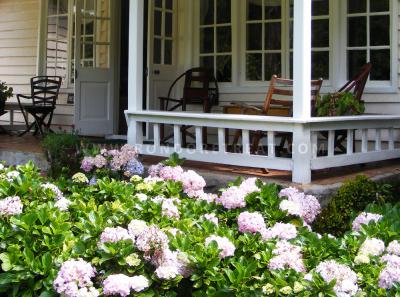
[162, 235]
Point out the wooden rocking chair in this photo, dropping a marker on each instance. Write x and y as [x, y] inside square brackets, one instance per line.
[278, 102]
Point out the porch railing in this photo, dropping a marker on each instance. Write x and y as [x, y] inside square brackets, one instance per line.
[368, 138]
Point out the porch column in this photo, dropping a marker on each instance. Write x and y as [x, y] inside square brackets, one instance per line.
[135, 76]
[302, 90]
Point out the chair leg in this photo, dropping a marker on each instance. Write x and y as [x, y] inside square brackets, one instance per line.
[238, 133]
[256, 142]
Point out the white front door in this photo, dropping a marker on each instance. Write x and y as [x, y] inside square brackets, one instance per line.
[94, 65]
[162, 58]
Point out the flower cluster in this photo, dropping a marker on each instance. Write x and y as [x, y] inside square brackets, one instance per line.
[124, 160]
[364, 219]
[120, 284]
[61, 203]
[212, 218]
[224, 244]
[346, 279]
[390, 275]
[235, 196]
[251, 222]
[372, 247]
[73, 276]
[152, 240]
[281, 231]
[12, 175]
[300, 204]
[136, 227]
[80, 178]
[114, 235]
[287, 255]
[169, 209]
[11, 206]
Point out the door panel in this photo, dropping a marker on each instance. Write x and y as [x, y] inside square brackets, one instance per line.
[94, 48]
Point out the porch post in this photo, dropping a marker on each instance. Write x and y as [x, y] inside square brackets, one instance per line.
[301, 151]
[135, 76]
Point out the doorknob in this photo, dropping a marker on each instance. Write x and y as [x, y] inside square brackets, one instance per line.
[156, 72]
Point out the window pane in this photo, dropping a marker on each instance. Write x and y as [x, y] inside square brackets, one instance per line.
[356, 6]
[102, 56]
[320, 33]
[206, 12]
[254, 37]
[52, 8]
[168, 24]
[224, 68]
[254, 67]
[379, 5]
[88, 28]
[320, 65]
[272, 36]
[273, 65]
[157, 51]
[206, 40]
[380, 60]
[357, 31]
[158, 3]
[355, 60]
[380, 30]
[224, 39]
[223, 11]
[169, 4]
[254, 10]
[207, 62]
[320, 7]
[52, 28]
[157, 22]
[273, 9]
[63, 7]
[168, 52]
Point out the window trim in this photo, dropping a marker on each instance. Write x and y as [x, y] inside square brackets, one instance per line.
[338, 42]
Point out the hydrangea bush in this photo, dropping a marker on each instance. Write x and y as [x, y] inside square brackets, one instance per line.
[163, 235]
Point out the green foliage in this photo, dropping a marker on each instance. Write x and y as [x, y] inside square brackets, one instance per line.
[64, 153]
[339, 104]
[5, 91]
[174, 161]
[352, 197]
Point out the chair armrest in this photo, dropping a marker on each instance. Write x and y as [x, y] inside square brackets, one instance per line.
[23, 96]
[247, 106]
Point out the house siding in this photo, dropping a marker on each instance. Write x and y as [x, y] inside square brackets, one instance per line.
[19, 40]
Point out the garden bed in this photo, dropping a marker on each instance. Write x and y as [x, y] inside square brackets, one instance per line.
[109, 232]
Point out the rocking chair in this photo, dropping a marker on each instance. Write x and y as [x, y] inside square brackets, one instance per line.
[201, 88]
[44, 94]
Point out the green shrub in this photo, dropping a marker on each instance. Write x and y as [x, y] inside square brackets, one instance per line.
[63, 152]
[352, 197]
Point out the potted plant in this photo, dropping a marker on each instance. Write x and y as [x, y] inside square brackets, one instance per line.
[338, 104]
[5, 93]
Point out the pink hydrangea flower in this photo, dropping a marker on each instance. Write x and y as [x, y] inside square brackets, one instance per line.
[114, 235]
[87, 164]
[152, 239]
[249, 186]
[11, 206]
[251, 222]
[73, 275]
[364, 219]
[372, 247]
[212, 218]
[232, 198]
[120, 284]
[100, 162]
[346, 279]
[281, 231]
[287, 256]
[394, 248]
[171, 264]
[192, 182]
[224, 244]
[169, 209]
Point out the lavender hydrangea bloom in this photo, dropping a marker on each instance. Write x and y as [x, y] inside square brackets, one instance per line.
[134, 167]
[11, 206]
[394, 248]
[93, 181]
[224, 244]
[287, 256]
[114, 235]
[364, 219]
[251, 222]
[87, 164]
[390, 275]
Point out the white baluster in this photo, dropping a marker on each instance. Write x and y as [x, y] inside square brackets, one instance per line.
[314, 144]
[177, 138]
[331, 143]
[199, 139]
[221, 140]
[391, 139]
[246, 142]
[350, 142]
[271, 144]
[378, 140]
[364, 140]
[156, 129]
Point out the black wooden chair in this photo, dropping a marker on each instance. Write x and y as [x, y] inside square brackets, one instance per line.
[42, 103]
[200, 88]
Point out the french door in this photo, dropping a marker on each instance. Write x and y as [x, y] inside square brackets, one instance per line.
[95, 49]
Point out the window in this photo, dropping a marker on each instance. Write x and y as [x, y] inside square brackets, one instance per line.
[163, 32]
[216, 37]
[368, 37]
[57, 45]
